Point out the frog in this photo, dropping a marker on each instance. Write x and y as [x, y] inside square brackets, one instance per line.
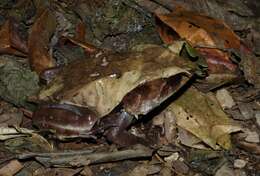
[105, 93]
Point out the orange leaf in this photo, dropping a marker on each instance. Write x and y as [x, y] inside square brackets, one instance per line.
[200, 30]
[208, 35]
[41, 32]
[86, 46]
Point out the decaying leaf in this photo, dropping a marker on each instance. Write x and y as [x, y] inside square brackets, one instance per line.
[144, 170]
[188, 139]
[101, 83]
[11, 119]
[11, 42]
[11, 168]
[11, 132]
[201, 115]
[38, 41]
[59, 171]
[201, 31]
[212, 38]
[31, 143]
[86, 46]
[17, 82]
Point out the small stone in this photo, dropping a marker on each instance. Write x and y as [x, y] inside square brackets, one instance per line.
[239, 163]
[257, 117]
[94, 74]
[252, 136]
[246, 110]
[225, 99]
[225, 170]
[104, 62]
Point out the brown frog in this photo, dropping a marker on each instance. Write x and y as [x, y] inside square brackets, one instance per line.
[106, 92]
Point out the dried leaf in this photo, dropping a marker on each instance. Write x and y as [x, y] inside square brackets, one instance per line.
[32, 143]
[17, 82]
[11, 119]
[86, 46]
[41, 32]
[12, 132]
[204, 118]
[11, 168]
[11, 42]
[201, 31]
[80, 32]
[188, 139]
[59, 172]
[144, 170]
[225, 170]
[212, 38]
[225, 99]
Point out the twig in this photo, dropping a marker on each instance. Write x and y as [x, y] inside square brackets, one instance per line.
[82, 158]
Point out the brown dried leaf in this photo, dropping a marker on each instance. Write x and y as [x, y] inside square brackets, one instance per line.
[208, 35]
[9, 115]
[200, 30]
[204, 118]
[86, 46]
[38, 43]
[58, 172]
[144, 170]
[212, 38]
[11, 168]
[11, 43]
[11, 119]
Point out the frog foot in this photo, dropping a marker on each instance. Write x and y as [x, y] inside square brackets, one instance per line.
[117, 133]
[123, 138]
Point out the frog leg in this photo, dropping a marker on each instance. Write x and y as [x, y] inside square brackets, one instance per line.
[118, 133]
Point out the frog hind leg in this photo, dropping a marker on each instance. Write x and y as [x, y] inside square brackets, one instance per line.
[123, 138]
[118, 133]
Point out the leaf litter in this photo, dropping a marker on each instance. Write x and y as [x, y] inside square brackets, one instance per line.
[129, 88]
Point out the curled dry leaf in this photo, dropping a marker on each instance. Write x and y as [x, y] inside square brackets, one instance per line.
[199, 30]
[31, 143]
[204, 118]
[79, 39]
[101, 83]
[212, 38]
[86, 46]
[12, 132]
[11, 42]
[38, 43]
[80, 31]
